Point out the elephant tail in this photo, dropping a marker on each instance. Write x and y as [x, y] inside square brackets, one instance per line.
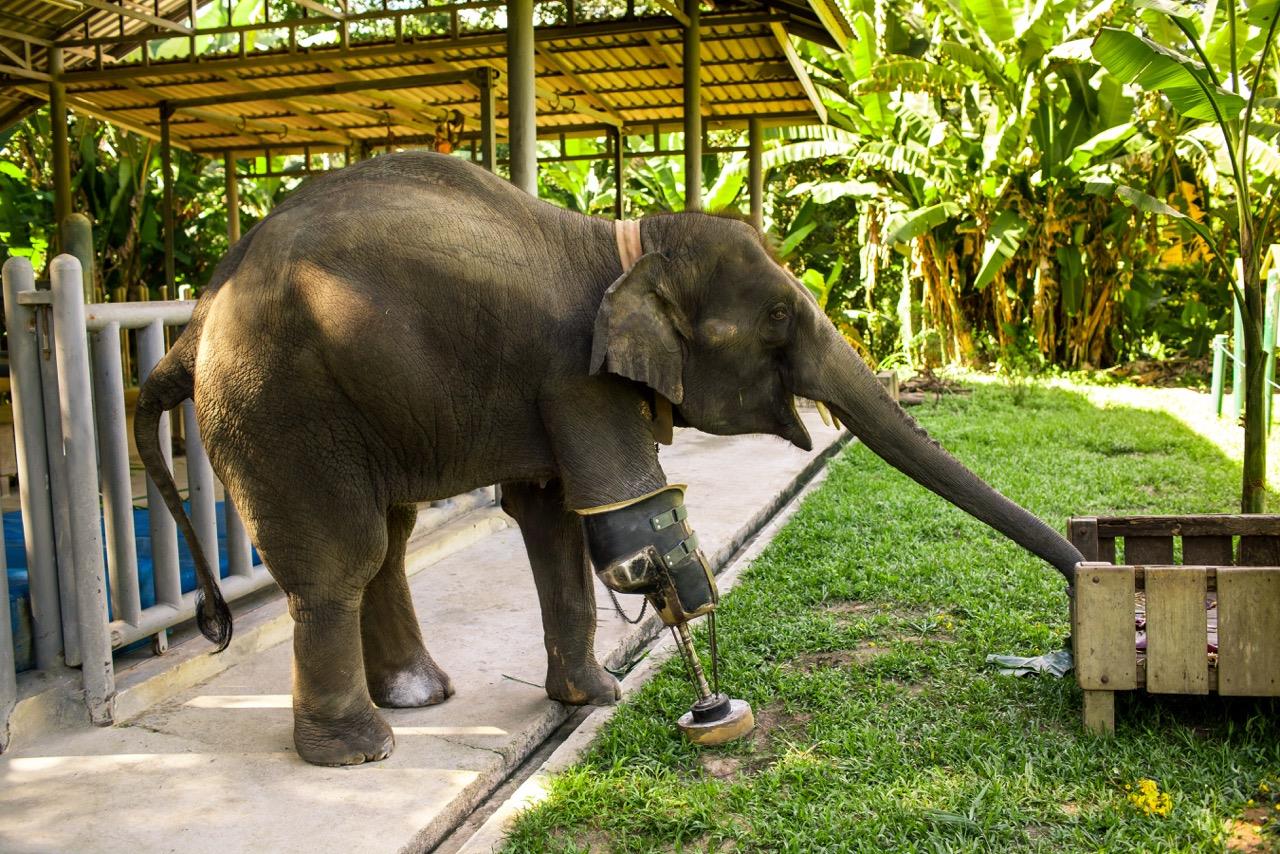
[168, 385]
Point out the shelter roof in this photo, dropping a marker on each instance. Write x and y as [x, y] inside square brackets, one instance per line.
[331, 74]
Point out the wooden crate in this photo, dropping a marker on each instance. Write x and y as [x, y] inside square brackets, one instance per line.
[1233, 558]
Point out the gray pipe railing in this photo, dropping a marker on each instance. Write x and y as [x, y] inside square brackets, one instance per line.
[27, 407]
[75, 400]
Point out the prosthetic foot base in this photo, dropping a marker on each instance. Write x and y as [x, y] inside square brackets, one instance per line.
[717, 720]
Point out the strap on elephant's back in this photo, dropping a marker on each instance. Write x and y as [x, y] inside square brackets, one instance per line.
[627, 232]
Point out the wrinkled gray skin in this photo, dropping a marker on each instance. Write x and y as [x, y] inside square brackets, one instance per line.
[414, 327]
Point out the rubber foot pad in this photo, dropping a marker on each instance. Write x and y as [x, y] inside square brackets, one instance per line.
[737, 723]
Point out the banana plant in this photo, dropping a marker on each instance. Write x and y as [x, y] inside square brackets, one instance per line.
[968, 130]
[1211, 68]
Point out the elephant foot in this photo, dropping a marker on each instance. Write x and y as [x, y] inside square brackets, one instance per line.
[423, 684]
[344, 741]
[589, 684]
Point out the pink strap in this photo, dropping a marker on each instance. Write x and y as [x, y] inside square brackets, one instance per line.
[627, 231]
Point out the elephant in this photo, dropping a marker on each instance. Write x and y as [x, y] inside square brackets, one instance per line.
[412, 327]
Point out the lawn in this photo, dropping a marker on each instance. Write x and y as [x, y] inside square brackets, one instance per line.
[860, 635]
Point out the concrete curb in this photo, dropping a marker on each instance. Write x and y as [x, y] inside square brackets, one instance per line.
[490, 835]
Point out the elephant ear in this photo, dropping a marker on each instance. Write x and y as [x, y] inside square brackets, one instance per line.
[638, 329]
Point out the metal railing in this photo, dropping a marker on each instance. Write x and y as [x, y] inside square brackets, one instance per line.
[77, 486]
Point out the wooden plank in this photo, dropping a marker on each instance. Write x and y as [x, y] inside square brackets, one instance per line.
[1100, 711]
[1207, 551]
[1188, 526]
[1177, 630]
[1083, 533]
[1249, 631]
[1102, 628]
[1259, 551]
[1148, 550]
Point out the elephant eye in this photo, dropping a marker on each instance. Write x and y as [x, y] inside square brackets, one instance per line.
[779, 312]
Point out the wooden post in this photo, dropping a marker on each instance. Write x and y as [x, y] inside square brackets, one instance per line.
[77, 239]
[233, 199]
[691, 61]
[488, 134]
[1102, 639]
[755, 172]
[166, 171]
[61, 148]
[522, 129]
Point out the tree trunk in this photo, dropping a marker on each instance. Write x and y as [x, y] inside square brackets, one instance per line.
[1253, 495]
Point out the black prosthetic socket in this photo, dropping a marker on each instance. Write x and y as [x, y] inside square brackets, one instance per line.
[646, 546]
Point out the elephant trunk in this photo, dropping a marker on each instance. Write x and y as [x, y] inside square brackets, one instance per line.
[843, 382]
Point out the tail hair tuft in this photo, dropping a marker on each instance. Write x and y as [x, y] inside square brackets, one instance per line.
[213, 618]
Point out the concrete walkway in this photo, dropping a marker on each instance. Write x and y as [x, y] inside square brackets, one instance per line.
[212, 767]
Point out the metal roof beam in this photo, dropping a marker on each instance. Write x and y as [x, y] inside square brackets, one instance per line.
[82, 106]
[401, 105]
[138, 15]
[23, 72]
[415, 81]
[802, 73]
[637, 26]
[393, 116]
[674, 10]
[290, 105]
[25, 37]
[667, 55]
[588, 92]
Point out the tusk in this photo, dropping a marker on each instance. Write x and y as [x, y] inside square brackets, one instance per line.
[824, 412]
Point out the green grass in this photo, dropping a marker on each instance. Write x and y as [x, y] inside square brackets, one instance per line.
[915, 744]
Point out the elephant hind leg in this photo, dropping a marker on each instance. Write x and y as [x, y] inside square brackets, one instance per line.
[323, 560]
[557, 552]
[399, 671]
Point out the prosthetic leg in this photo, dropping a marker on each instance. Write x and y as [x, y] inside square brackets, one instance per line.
[645, 546]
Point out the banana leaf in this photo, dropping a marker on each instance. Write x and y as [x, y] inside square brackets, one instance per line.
[1185, 82]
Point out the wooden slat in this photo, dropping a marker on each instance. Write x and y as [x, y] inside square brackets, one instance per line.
[1259, 551]
[1249, 631]
[1212, 551]
[1083, 533]
[1107, 549]
[1188, 526]
[1100, 711]
[1148, 550]
[1102, 630]
[1177, 630]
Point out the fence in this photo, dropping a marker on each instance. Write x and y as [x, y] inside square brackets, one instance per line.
[1234, 352]
[68, 373]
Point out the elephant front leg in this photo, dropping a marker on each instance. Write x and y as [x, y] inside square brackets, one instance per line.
[562, 574]
[398, 669]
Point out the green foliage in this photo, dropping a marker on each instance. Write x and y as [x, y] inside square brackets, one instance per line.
[1010, 185]
[117, 181]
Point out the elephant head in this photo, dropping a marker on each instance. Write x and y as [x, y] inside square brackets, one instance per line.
[708, 319]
